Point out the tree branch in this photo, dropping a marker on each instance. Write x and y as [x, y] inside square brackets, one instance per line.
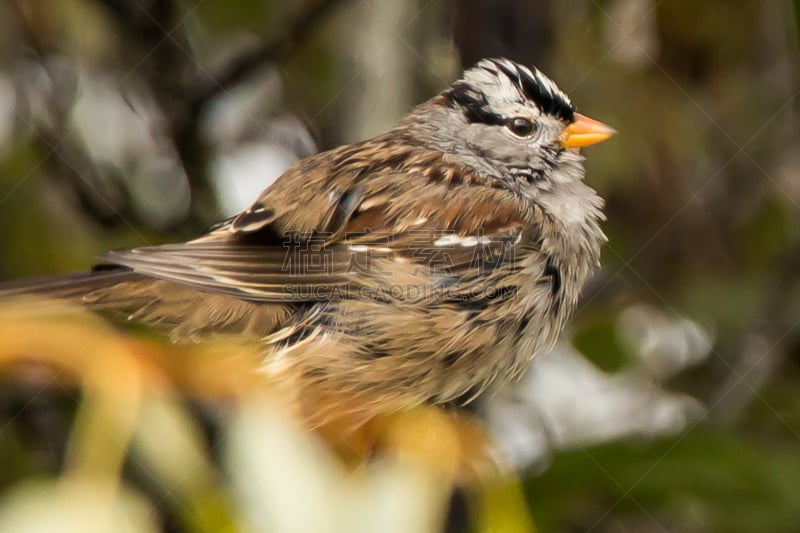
[247, 62]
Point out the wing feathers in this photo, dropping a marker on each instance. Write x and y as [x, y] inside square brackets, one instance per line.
[321, 227]
[251, 272]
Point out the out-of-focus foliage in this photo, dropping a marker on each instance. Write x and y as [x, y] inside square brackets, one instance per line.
[273, 476]
[674, 401]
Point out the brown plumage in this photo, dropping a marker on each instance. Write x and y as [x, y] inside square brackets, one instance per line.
[420, 266]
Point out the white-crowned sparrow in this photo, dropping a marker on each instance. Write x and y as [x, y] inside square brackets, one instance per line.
[419, 266]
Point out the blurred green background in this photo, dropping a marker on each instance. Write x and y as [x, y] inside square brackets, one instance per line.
[674, 402]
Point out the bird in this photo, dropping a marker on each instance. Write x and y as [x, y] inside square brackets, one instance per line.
[424, 266]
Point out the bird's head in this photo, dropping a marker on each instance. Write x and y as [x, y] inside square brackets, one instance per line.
[514, 121]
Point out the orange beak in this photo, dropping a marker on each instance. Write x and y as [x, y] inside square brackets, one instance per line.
[585, 131]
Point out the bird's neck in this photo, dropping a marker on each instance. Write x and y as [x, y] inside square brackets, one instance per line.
[574, 237]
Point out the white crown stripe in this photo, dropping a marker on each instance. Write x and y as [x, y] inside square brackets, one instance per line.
[510, 81]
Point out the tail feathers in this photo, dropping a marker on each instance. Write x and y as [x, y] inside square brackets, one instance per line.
[67, 286]
[187, 313]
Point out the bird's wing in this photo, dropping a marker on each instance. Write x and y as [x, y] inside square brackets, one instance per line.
[316, 233]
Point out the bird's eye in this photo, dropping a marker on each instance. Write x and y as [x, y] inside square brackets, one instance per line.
[519, 126]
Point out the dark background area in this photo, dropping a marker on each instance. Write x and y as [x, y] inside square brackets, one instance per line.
[135, 122]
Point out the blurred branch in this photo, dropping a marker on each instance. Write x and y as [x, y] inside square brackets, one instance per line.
[758, 350]
[796, 12]
[520, 29]
[102, 197]
[163, 59]
[183, 93]
[29, 35]
[165, 64]
[251, 60]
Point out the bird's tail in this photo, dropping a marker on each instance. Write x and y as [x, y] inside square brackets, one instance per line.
[187, 313]
[67, 286]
